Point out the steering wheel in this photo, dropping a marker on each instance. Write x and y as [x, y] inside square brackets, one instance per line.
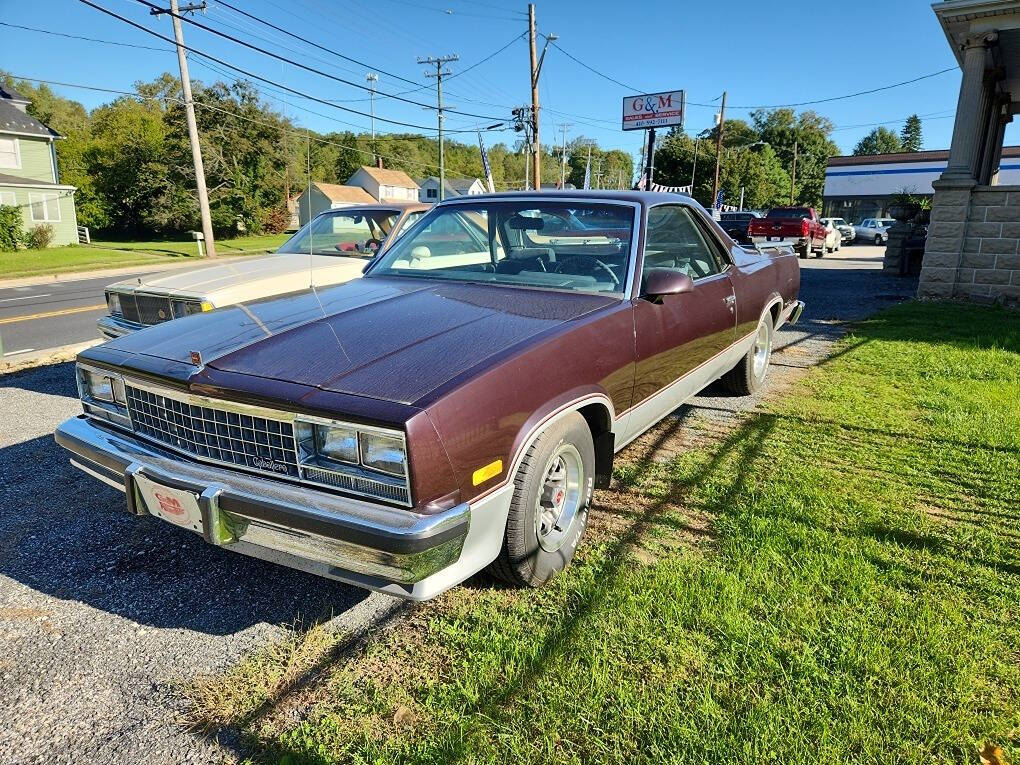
[370, 242]
[557, 269]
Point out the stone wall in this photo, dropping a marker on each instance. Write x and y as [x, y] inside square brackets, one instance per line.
[972, 247]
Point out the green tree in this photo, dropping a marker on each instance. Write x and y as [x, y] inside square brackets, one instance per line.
[881, 140]
[910, 137]
[782, 129]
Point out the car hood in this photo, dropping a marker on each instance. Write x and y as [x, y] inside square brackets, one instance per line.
[288, 272]
[387, 338]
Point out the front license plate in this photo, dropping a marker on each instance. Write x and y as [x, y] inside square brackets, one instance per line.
[174, 505]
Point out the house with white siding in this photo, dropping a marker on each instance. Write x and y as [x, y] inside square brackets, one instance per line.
[319, 197]
[385, 185]
[29, 179]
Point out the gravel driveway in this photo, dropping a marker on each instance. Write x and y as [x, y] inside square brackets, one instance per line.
[101, 612]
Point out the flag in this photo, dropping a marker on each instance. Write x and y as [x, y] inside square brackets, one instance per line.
[718, 200]
[485, 164]
[640, 186]
[587, 172]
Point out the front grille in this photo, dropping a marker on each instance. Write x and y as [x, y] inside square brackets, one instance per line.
[258, 443]
[145, 309]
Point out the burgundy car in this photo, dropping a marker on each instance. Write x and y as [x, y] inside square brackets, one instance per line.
[450, 411]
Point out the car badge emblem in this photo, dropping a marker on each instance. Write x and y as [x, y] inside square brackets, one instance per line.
[196, 358]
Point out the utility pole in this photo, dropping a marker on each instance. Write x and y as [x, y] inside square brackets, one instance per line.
[598, 174]
[563, 155]
[793, 175]
[439, 74]
[718, 148]
[372, 79]
[697, 143]
[189, 111]
[536, 70]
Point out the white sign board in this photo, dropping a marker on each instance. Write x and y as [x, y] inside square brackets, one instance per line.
[653, 110]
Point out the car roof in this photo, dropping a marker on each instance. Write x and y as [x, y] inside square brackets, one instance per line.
[640, 197]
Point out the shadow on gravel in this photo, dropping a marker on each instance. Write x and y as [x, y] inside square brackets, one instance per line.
[65, 534]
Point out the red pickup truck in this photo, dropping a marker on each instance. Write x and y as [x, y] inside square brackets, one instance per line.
[797, 224]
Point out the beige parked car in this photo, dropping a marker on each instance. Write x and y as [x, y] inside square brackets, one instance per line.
[332, 248]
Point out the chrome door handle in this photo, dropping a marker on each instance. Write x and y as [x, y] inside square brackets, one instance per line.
[730, 300]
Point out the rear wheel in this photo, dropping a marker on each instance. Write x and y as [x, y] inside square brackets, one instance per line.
[748, 376]
[549, 510]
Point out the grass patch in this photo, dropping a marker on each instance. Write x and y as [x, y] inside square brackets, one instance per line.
[118, 254]
[836, 580]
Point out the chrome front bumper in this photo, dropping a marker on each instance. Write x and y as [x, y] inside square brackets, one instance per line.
[363, 543]
[112, 327]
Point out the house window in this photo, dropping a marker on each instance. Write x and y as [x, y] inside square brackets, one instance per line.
[45, 208]
[431, 193]
[10, 154]
[8, 198]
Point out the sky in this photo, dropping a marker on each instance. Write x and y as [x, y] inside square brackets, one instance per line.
[760, 52]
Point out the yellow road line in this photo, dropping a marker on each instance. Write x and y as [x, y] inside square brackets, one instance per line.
[48, 314]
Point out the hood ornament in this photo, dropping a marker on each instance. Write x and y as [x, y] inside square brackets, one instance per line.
[196, 358]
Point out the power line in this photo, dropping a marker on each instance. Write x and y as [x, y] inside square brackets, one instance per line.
[452, 12]
[596, 71]
[88, 39]
[851, 95]
[313, 44]
[307, 68]
[252, 74]
[305, 133]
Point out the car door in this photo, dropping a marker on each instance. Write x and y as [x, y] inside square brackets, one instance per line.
[679, 337]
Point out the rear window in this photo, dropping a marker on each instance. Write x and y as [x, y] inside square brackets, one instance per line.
[736, 216]
[789, 212]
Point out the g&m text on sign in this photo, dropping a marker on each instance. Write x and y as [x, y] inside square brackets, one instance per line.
[653, 110]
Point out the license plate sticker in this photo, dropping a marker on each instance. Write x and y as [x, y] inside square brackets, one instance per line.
[174, 505]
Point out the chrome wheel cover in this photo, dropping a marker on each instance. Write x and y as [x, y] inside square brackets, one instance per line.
[559, 497]
[762, 351]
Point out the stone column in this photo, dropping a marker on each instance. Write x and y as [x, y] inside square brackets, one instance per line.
[989, 149]
[969, 130]
[1000, 138]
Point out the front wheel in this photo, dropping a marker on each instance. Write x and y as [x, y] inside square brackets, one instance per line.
[748, 376]
[878, 241]
[549, 510]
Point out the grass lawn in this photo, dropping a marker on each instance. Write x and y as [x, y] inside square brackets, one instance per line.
[111, 254]
[837, 580]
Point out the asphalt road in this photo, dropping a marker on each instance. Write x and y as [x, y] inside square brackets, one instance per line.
[101, 613]
[51, 315]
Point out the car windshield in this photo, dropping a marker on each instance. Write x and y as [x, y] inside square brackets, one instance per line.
[350, 233]
[838, 222]
[556, 245]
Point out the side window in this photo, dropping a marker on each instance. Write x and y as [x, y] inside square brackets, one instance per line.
[673, 240]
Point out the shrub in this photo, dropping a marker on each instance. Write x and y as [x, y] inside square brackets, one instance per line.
[40, 237]
[12, 233]
[277, 219]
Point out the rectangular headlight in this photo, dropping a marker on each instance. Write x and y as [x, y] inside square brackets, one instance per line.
[113, 303]
[99, 386]
[185, 307]
[337, 443]
[383, 453]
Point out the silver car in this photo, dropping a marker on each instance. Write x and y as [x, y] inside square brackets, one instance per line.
[874, 230]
